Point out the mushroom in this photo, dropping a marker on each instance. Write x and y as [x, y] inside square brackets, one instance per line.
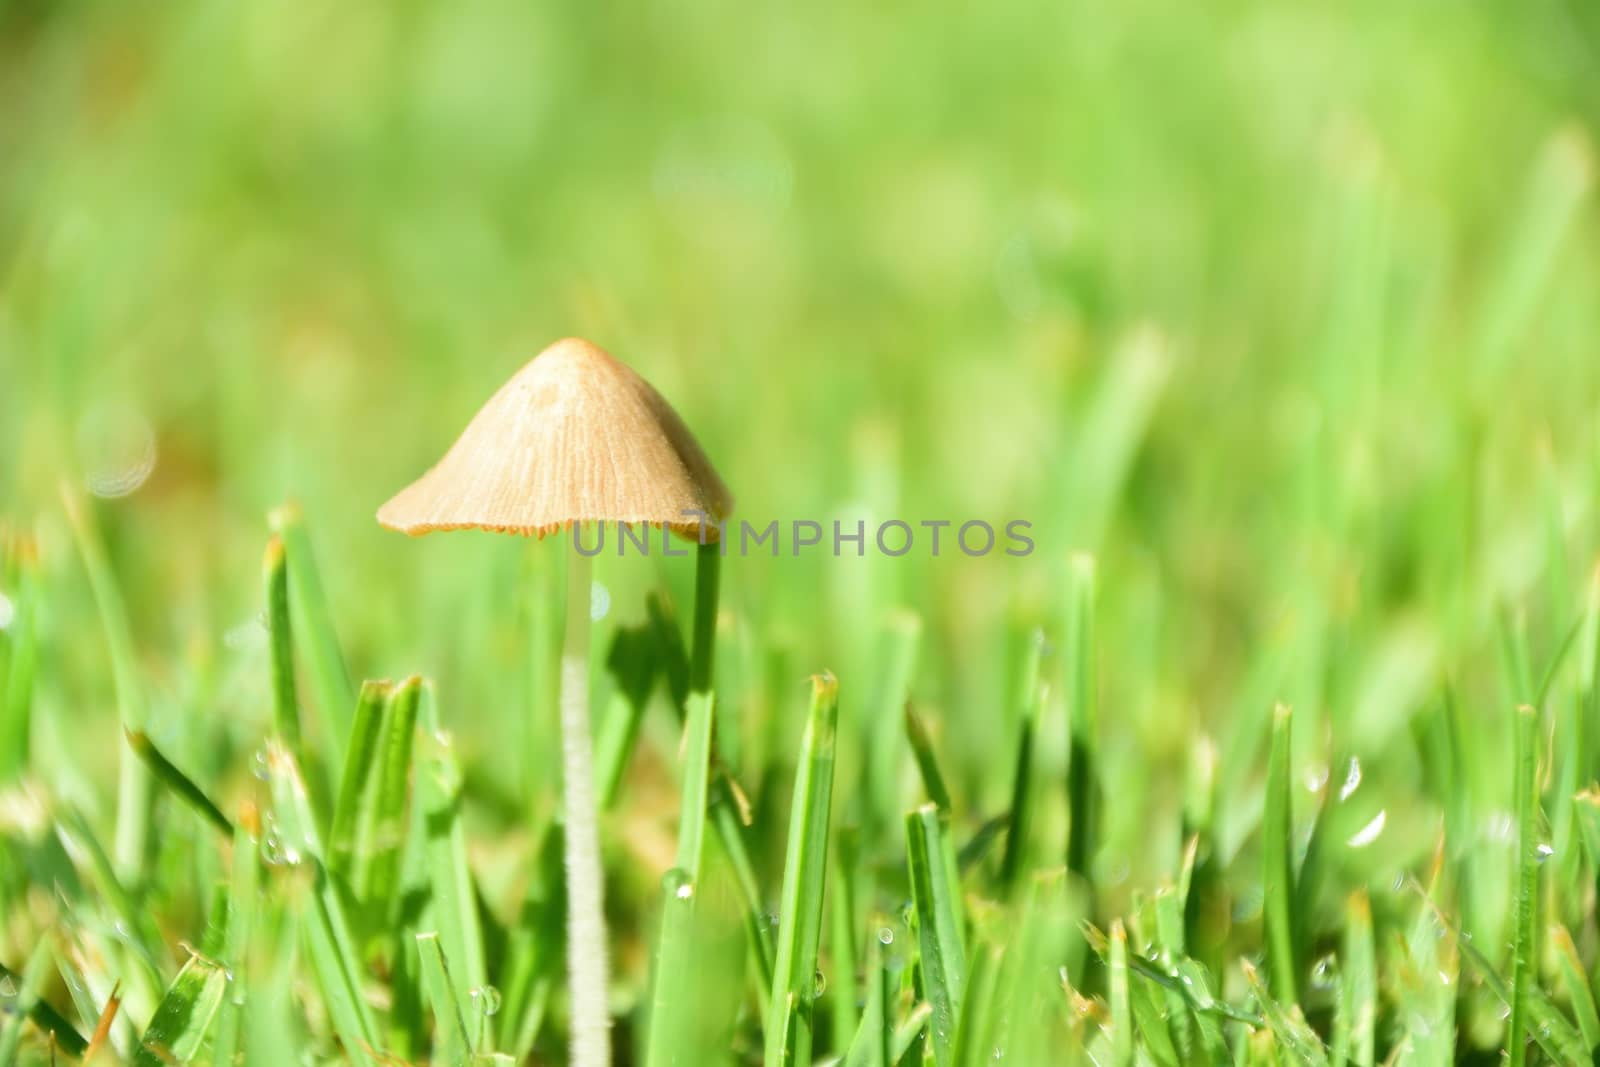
[576, 437]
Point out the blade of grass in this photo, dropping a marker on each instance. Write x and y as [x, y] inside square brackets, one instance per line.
[975, 1030]
[843, 992]
[362, 769]
[698, 735]
[313, 628]
[455, 903]
[1553, 1032]
[1083, 789]
[1554, 193]
[789, 1016]
[43, 1014]
[178, 1030]
[19, 653]
[534, 955]
[325, 927]
[1525, 950]
[1031, 698]
[1355, 1018]
[1277, 880]
[243, 887]
[280, 640]
[450, 1025]
[174, 779]
[673, 663]
[935, 895]
[874, 1035]
[673, 1008]
[927, 762]
[135, 789]
[1288, 1026]
[631, 662]
[881, 728]
[1575, 980]
[1122, 1023]
[29, 993]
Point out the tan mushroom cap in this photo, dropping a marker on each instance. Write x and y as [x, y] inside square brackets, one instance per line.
[574, 436]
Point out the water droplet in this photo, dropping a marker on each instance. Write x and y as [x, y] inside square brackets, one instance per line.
[885, 936]
[117, 447]
[260, 765]
[1316, 777]
[1352, 779]
[599, 601]
[1370, 832]
[275, 852]
[8, 988]
[486, 999]
[8, 612]
[677, 882]
[1325, 973]
[1543, 852]
[819, 984]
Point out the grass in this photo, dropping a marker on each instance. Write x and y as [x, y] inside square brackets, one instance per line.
[1277, 323]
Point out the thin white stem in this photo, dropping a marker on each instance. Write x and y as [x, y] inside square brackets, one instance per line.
[586, 921]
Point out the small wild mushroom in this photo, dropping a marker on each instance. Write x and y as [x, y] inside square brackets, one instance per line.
[578, 437]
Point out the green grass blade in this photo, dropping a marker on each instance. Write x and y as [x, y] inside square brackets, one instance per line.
[455, 902]
[975, 1031]
[19, 654]
[1288, 1026]
[674, 1007]
[178, 1030]
[41, 1012]
[1277, 879]
[135, 788]
[1083, 785]
[927, 762]
[1575, 981]
[362, 769]
[1525, 949]
[28, 991]
[843, 993]
[631, 662]
[1122, 1023]
[1550, 204]
[1553, 1032]
[243, 907]
[872, 1045]
[935, 894]
[534, 955]
[698, 736]
[174, 779]
[672, 662]
[881, 728]
[671, 1034]
[1030, 698]
[702, 650]
[280, 650]
[794, 987]
[313, 628]
[1355, 1020]
[383, 822]
[450, 1040]
[329, 943]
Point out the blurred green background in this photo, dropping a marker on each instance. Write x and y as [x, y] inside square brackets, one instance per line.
[1288, 312]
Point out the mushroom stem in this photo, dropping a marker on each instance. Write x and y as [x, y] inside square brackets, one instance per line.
[707, 572]
[586, 923]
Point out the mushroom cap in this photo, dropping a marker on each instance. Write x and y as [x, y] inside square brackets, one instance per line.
[574, 436]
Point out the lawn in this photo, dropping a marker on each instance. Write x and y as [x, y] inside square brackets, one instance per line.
[1274, 325]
